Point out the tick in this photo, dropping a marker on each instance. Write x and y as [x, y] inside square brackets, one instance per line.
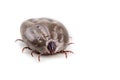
[44, 36]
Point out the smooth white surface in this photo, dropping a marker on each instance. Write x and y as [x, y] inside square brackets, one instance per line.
[94, 26]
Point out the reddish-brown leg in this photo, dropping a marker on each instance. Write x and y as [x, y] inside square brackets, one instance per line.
[39, 57]
[65, 52]
[70, 43]
[25, 48]
[32, 53]
[19, 40]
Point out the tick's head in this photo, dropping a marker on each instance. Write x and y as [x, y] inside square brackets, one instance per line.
[51, 47]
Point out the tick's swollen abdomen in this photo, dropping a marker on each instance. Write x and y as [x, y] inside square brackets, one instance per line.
[38, 33]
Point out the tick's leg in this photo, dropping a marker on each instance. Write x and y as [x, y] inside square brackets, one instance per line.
[19, 40]
[65, 52]
[32, 53]
[25, 48]
[68, 51]
[70, 43]
[39, 57]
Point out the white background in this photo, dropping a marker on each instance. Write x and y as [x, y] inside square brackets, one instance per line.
[94, 26]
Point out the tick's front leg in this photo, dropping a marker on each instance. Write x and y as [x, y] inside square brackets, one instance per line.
[19, 40]
[65, 52]
[26, 48]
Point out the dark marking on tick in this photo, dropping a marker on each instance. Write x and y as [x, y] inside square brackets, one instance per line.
[51, 47]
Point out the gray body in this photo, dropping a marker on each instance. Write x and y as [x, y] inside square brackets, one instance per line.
[37, 33]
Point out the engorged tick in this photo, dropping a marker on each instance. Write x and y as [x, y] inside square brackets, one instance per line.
[44, 36]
